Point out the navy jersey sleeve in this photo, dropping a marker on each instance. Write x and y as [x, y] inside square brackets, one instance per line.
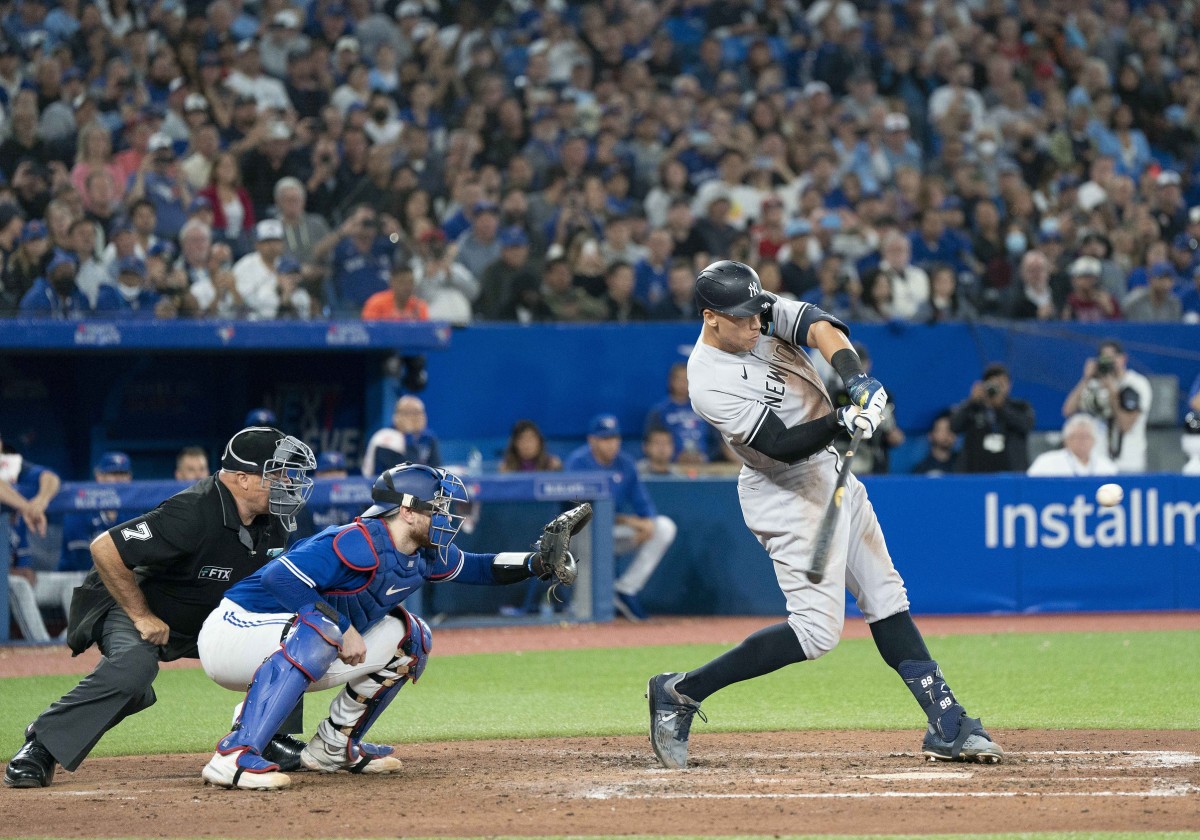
[638, 497]
[77, 541]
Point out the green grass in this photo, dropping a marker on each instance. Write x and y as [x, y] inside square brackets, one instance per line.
[1069, 681]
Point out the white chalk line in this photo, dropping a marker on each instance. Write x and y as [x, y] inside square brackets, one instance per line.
[1166, 792]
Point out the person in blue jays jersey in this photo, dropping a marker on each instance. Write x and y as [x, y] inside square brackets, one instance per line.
[79, 529]
[336, 601]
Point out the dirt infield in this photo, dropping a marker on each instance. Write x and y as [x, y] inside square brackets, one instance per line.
[761, 783]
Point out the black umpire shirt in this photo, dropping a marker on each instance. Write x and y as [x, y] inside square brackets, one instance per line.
[191, 548]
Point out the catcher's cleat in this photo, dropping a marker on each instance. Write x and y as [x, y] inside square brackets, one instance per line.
[972, 743]
[671, 716]
[284, 750]
[348, 757]
[244, 769]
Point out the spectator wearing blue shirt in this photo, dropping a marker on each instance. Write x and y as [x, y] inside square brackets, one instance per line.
[651, 273]
[79, 529]
[696, 442]
[25, 491]
[1190, 300]
[932, 243]
[638, 524]
[362, 261]
[56, 295]
[131, 297]
[158, 181]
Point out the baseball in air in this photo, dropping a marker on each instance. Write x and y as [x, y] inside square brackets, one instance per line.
[1108, 495]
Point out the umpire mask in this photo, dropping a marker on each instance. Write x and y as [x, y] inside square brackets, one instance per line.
[283, 462]
[286, 474]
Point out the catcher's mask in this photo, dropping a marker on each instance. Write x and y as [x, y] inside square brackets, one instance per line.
[425, 489]
[283, 462]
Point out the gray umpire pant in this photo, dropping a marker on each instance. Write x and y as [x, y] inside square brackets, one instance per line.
[120, 686]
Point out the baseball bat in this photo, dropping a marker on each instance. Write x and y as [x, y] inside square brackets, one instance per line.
[829, 521]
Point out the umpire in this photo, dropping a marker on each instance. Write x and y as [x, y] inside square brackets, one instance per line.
[156, 578]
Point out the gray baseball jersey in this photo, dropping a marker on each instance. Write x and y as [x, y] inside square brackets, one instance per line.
[782, 504]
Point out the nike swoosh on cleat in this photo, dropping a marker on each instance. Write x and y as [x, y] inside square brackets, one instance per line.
[394, 591]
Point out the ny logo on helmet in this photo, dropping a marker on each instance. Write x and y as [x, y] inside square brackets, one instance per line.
[754, 288]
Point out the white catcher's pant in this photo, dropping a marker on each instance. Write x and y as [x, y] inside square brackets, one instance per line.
[649, 555]
[234, 642]
[784, 510]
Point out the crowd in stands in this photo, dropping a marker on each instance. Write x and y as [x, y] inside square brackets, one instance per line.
[541, 160]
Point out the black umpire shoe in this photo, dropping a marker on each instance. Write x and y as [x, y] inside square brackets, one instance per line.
[32, 766]
[284, 750]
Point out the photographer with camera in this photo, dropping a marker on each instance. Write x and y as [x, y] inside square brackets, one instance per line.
[1118, 401]
[995, 427]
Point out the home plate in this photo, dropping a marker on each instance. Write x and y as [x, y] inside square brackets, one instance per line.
[917, 774]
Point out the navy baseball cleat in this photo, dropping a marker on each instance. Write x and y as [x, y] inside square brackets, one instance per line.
[32, 766]
[972, 743]
[671, 716]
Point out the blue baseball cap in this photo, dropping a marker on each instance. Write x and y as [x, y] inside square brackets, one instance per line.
[261, 417]
[33, 230]
[60, 259]
[486, 207]
[513, 237]
[331, 461]
[831, 221]
[121, 225]
[1162, 269]
[604, 425]
[162, 248]
[200, 202]
[131, 265]
[114, 462]
[1185, 241]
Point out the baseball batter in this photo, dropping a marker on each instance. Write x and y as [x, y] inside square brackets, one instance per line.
[328, 613]
[750, 376]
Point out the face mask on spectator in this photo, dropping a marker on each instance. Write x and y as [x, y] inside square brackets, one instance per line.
[1015, 242]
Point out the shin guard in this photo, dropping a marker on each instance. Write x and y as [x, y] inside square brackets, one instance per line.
[282, 679]
[362, 701]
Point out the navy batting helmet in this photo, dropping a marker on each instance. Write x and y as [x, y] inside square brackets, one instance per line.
[732, 288]
[426, 489]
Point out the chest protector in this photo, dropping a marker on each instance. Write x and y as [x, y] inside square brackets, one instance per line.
[388, 577]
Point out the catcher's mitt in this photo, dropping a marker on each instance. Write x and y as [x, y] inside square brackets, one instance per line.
[552, 556]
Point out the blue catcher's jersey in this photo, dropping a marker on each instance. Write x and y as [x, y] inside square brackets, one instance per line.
[357, 570]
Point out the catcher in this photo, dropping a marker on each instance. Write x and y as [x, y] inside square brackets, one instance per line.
[335, 602]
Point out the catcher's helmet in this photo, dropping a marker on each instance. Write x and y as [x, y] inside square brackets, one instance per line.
[422, 488]
[732, 288]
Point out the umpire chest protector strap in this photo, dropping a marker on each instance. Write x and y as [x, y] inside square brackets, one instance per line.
[386, 576]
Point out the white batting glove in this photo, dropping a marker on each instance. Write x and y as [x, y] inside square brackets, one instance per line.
[871, 417]
[848, 417]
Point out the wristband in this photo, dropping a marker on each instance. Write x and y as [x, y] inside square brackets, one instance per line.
[847, 364]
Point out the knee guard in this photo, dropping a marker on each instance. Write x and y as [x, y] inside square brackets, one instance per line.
[281, 680]
[356, 708]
